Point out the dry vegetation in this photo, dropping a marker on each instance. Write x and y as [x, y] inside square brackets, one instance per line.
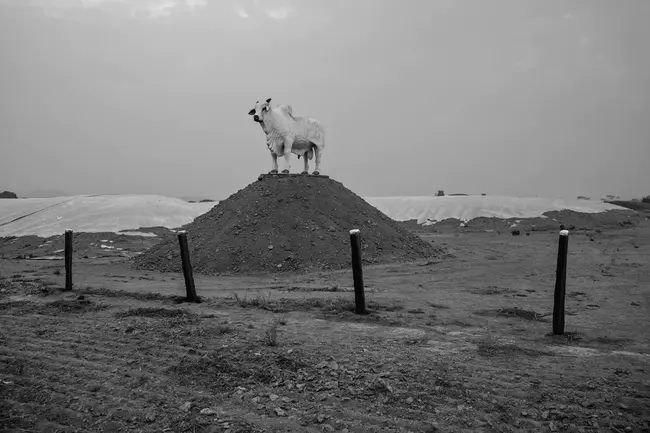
[460, 344]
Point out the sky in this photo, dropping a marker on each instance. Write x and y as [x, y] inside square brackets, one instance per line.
[505, 97]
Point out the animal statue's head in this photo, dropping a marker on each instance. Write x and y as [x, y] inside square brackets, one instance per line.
[259, 110]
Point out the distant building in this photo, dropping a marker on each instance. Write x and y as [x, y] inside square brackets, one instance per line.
[441, 193]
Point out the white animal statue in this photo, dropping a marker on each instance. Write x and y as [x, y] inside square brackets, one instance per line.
[286, 134]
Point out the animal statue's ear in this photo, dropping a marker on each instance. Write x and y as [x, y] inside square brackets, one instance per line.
[250, 113]
[268, 100]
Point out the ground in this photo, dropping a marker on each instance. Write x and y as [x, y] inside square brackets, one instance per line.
[456, 344]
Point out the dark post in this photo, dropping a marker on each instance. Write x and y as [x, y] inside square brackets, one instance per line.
[357, 272]
[560, 284]
[187, 267]
[68, 260]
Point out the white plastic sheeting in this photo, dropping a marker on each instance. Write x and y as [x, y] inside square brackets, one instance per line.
[114, 213]
[429, 209]
[102, 213]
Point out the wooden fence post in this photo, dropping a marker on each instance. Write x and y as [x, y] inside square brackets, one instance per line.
[560, 283]
[68, 260]
[357, 273]
[187, 267]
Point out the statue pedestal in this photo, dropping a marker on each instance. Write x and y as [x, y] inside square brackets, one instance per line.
[280, 175]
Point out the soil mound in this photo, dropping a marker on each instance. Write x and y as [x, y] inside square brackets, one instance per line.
[287, 224]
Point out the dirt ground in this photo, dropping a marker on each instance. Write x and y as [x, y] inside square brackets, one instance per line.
[453, 345]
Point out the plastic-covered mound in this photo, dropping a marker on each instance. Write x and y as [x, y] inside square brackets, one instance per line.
[551, 221]
[47, 217]
[429, 209]
[287, 224]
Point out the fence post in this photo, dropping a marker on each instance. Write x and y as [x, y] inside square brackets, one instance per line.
[560, 283]
[357, 272]
[187, 267]
[68, 260]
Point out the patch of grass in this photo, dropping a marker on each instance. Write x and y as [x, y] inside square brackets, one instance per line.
[27, 286]
[489, 349]
[258, 301]
[328, 305]
[271, 334]
[340, 305]
[438, 306]
[513, 312]
[566, 338]
[491, 290]
[65, 306]
[154, 312]
[103, 291]
[43, 290]
[416, 341]
[72, 306]
[22, 278]
[331, 289]
[613, 341]
[173, 320]
[395, 306]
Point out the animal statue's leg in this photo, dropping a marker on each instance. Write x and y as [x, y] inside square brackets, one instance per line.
[317, 162]
[306, 170]
[287, 155]
[275, 163]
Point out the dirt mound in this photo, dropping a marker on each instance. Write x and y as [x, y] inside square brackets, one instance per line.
[287, 224]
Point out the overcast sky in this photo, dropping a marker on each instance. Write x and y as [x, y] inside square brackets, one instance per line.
[506, 97]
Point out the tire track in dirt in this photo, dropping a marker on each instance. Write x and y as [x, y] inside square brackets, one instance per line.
[63, 347]
[61, 380]
[65, 368]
